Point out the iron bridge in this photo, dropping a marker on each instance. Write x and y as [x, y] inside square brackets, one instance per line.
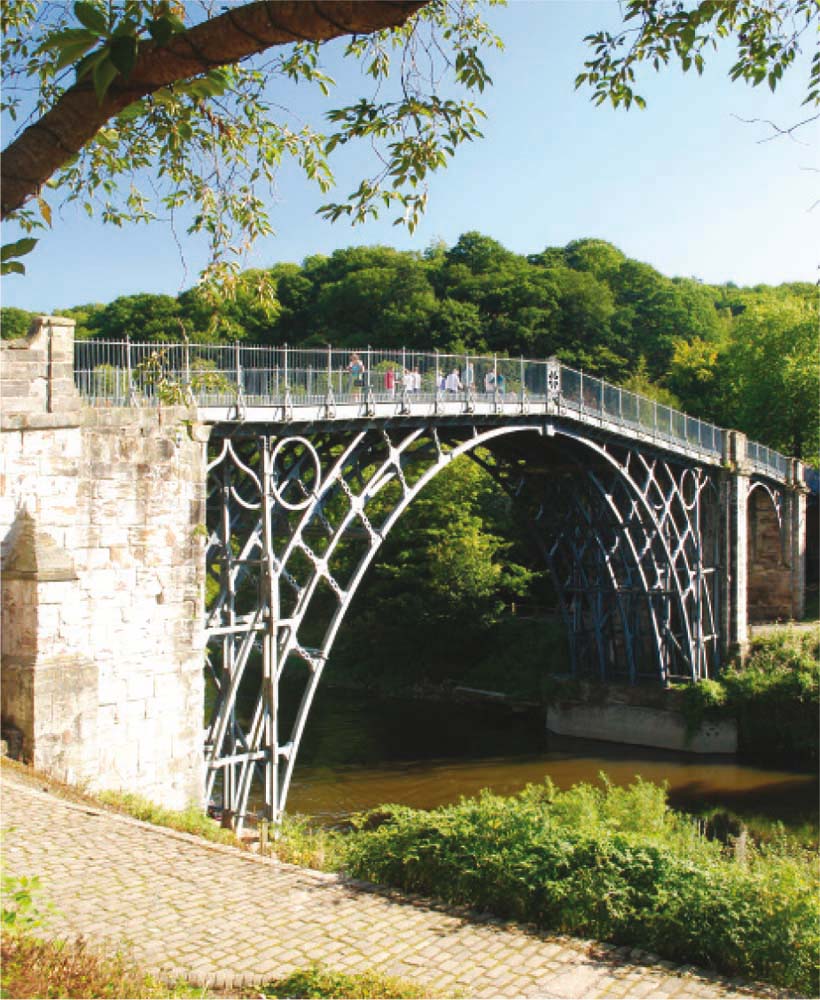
[313, 460]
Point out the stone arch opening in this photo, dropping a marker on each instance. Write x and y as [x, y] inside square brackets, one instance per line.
[769, 593]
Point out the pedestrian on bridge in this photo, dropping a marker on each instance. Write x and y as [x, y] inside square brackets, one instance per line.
[453, 381]
[356, 368]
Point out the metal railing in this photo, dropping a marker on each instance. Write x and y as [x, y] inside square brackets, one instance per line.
[122, 373]
[764, 459]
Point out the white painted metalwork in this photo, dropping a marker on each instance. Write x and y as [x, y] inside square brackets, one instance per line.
[310, 471]
[620, 530]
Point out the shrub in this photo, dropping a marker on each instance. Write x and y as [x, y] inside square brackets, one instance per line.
[775, 696]
[320, 982]
[610, 863]
[34, 968]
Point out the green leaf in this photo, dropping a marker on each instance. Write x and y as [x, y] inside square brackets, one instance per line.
[12, 267]
[59, 39]
[164, 28]
[91, 17]
[104, 73]
[89, 62]
[71, 51]
[124, 54]
[18, 249]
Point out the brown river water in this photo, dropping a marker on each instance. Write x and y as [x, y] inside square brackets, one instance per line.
[359, 752]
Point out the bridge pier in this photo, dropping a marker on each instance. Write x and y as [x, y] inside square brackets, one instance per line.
[734, 583]
[764, 547]
[796, 507]
[102, 579]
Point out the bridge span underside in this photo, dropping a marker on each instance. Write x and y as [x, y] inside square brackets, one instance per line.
[632, 539]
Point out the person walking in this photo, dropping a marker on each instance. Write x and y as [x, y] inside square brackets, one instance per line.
[356, 368]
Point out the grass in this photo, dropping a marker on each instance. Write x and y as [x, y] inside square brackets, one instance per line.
[191, 820]
[318, 981]
[32, 967]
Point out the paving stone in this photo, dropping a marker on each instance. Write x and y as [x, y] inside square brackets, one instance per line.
[226, 917]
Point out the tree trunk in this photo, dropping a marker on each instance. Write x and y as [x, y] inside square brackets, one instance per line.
[242, 31]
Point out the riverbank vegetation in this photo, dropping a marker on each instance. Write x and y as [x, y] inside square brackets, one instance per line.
[614, 864]
[611, 864]
[774, 695]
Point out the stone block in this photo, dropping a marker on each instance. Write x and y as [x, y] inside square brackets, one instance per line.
[140, 686]
[639, 726]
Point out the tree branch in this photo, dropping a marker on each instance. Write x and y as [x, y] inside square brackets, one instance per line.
[243, 31]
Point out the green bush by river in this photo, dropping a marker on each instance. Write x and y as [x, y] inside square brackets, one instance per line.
[612, 864]
[774, 696]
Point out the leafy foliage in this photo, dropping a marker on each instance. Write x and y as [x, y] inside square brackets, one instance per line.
[437, 592]
[742, 357]
[609, 863]
[774, 695]
[769, 38]
[21, 914]
[191, 820]
[35, 968]
[319, 981]
[216, 139]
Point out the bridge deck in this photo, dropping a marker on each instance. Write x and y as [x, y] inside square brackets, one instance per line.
[240, 383]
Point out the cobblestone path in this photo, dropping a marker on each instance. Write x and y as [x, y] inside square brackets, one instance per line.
[224, 917]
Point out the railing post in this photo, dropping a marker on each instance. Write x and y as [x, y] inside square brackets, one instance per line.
[187, 355]
[131, 399]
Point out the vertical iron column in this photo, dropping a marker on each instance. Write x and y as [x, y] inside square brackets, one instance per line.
[270, 638]
[735, 615]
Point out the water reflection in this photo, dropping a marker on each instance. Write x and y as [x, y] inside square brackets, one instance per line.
[360, 752]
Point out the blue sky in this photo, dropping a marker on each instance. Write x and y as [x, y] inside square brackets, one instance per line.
[683, 185]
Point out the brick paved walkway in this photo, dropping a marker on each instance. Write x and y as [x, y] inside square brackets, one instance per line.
[224, 917]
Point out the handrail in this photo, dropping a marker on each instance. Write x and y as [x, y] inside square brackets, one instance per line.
[120, 373]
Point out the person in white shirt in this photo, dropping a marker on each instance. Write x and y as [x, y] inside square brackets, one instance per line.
[453, 381]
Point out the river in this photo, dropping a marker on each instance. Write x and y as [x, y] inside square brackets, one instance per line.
[359, 752]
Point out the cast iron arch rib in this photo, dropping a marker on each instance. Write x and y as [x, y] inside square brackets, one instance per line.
[291, 525]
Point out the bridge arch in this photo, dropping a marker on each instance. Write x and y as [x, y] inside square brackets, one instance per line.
[768, 569]
[295, 520]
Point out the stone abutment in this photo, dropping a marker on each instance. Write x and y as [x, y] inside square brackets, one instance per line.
[102, 579]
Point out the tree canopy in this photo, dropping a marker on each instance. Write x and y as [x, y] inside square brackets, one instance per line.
[742, 357]
[136, 108]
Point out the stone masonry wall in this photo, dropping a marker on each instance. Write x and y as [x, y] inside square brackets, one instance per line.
[102, 578]
[769, 567]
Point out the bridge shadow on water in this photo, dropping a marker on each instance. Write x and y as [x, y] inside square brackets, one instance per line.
[361, 751]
